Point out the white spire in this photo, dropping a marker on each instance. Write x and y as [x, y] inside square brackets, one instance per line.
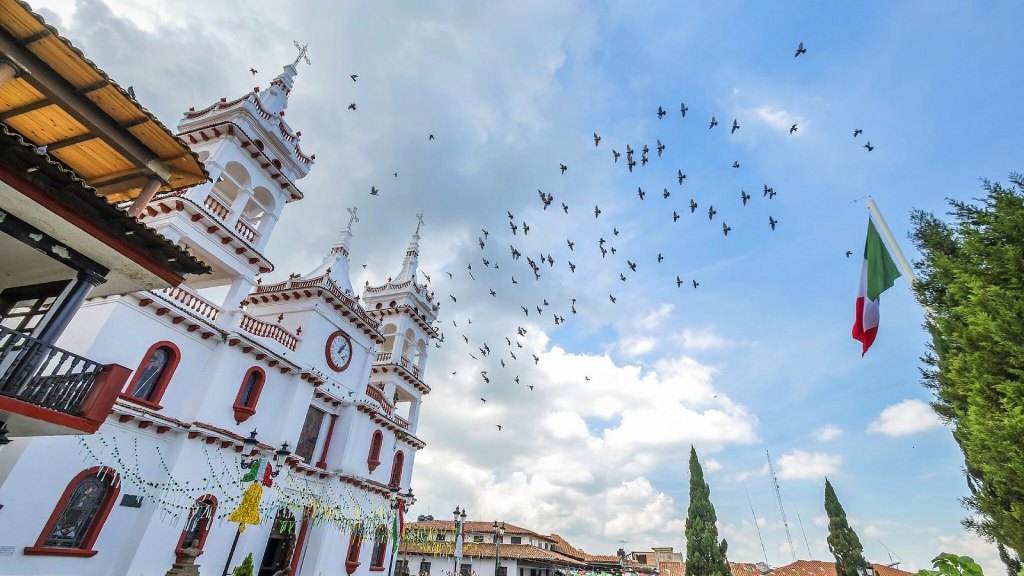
[275, 98]
[336, 264]
[412, 254]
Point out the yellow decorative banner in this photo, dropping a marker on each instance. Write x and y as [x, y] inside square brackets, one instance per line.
[248, 511]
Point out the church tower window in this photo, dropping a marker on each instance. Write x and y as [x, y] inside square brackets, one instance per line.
[80, 513]
[373, 460]
[150, 380]
[249, 394]
[310, 434]
[396, 469]
[380, 545]
[197, 528]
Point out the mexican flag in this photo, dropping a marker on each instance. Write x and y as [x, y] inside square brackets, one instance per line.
[878, 273]
[398, 527]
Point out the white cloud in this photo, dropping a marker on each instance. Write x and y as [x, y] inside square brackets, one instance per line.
[635, 346]
[799, 464]
[777, 118]
[699, 340]
[656, 316]
[828, 432]
[907, 417]
[711, 465]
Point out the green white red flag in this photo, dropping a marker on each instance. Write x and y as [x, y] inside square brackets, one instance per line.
[878, 273]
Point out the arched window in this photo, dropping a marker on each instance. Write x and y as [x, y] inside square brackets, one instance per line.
[355, 544]
[150, 380]
[80, 513]
[380, 546]
[373, 460]
[396, 469]
[249, 394]
[197, 528]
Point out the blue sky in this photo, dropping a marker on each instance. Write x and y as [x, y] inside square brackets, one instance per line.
[759, 357]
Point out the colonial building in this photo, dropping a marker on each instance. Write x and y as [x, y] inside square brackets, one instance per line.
[71, 144]
[289, 409]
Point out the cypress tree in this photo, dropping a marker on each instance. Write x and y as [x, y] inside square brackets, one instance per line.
[705, 555]
[842, 540]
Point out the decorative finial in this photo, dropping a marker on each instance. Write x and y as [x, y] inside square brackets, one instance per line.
[302, 53]
[419, 222]
[352, 218]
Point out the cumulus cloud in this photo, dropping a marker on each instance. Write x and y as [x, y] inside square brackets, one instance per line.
[699, 340]
[910, 416]
[828, 432]
[777, 118]
[799, 464]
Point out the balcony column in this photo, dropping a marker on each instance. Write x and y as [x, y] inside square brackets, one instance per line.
[231, 307]
[237, 207]
[67, 304]
[414, 415]
[148, 191]
[263, 232]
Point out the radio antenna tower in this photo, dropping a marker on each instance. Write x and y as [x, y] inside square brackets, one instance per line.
[755, 524]
[782, 511]
[810, 555]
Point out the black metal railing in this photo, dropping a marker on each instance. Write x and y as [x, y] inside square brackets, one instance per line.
[42, 374]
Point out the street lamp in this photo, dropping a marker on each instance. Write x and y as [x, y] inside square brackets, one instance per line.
[499, 531]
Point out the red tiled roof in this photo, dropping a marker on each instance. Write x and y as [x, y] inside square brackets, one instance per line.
[672, 568]
[562, 546]
[821, 568]
[472, 526]
[602, 558]
[481, 550]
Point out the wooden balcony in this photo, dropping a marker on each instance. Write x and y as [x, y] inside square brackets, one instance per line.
[47, 390]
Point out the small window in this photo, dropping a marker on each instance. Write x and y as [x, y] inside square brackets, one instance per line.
[80, 513]
[478, 538]
[516, 539]
[310, 434]
[249, 394]
[355, 543]
[373, 459]
[466, 569]
[151, 379]
[200, 517]
[502, 571]
[396, 469]
[380, 545]
[424, 568]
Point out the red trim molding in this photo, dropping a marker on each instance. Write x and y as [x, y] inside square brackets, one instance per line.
[153, 402]
[301, 542]
[322, 464]
[373, 459]
[86, 550]
[397, 467]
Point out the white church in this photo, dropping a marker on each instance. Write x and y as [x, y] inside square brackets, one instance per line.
[289, 409]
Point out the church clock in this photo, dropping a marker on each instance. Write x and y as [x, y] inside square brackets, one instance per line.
[338, 351]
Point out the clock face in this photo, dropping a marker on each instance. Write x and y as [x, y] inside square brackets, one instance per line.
[338, 351]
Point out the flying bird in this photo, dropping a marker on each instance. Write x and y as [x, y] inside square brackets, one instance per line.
[869, 146]
[772, 222]
[563, 167]
[612, 298]
[254, 71]
[800, 50]
[682, 109]
[615, 156]
[597, 211]
[597, 139]
[352, 106]
[711, 212]
[735, 126]
[849, 253]
[736, 164]
[374, 191]
[675, 216]
[680, 176]
[571, 244]
[695, 284]
[693, 206]
[744, 197]
[792, 129]
[660, 147]
[353, 76]
[430, 137]
[857, 132]
[665, 193]
[713, 123]
[725, 229]
[660, 258]
[640, 192]
[661, 112]
[679, 282]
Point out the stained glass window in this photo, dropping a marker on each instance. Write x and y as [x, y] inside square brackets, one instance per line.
[150, 374]
[76, 519]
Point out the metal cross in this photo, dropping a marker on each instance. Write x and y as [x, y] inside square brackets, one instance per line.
[302, 53]
[419, 222]
[352, 216]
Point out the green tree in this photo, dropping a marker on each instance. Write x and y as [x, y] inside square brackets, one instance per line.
[705, 555]
[842, 540]
[971, 278]
[246, 568]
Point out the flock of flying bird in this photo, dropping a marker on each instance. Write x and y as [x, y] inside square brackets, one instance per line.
[516, 265]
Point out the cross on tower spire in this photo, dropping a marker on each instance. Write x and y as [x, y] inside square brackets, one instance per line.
[352, 218]
[302, 53]
[419, 222]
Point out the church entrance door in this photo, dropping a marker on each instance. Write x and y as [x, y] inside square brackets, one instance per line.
[280, 544]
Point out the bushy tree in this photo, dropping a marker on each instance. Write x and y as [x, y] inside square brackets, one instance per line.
[705, 555]
[246, 568]
[842, 540]
[972, 282]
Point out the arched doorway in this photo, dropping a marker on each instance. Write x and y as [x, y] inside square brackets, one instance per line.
[278, 553]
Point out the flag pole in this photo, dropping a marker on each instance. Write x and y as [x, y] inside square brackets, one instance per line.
[901, 260]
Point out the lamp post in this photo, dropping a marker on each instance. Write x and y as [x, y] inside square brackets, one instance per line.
[499, 531]
[250, 444]
[455, 547]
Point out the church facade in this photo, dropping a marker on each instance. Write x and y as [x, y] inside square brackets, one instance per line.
[279, 421]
